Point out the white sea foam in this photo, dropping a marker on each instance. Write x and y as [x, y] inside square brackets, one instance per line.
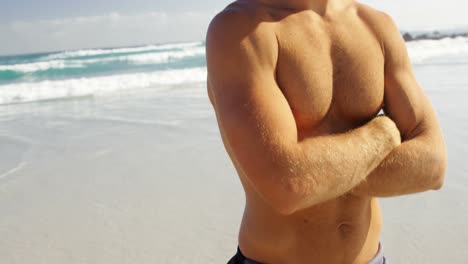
[42, 66]
[29, 92]
[13, 170]
[137, 59]
[424, 50]
[162, 57]
[95, 52]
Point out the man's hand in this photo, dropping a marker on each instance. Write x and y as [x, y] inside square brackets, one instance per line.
[363, 188]
[388, 124]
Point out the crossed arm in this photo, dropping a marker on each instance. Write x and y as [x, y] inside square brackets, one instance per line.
[420, 162]
[258, 126]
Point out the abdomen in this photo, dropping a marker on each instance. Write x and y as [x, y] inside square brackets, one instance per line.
[337, 231]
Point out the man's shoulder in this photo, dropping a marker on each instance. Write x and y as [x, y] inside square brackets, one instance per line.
[391, 40]
[238, 22]
[380, 22]
[372, 15]
[233, 14]
[236, 36]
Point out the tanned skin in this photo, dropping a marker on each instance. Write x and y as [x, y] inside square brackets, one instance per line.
[296, 86]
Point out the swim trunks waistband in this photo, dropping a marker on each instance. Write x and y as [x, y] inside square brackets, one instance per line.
[239, 258]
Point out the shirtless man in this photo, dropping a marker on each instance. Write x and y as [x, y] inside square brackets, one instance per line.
[297, 86]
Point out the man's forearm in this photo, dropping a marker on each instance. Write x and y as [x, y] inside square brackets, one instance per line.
[417, 165]
[329, 166]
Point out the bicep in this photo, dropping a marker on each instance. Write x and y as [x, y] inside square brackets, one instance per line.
[256, 122]
[252, 112]
[405, 101]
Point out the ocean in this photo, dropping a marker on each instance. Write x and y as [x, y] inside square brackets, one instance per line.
[114, 156]
[45, 76]
[96, 72]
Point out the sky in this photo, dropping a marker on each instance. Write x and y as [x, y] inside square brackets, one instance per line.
[28, 26]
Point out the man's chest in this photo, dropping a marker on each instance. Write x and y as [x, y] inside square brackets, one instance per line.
[330, 79]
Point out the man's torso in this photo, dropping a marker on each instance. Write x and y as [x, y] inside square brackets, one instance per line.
[331, 71]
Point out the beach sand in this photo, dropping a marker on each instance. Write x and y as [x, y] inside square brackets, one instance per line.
[142, 177]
